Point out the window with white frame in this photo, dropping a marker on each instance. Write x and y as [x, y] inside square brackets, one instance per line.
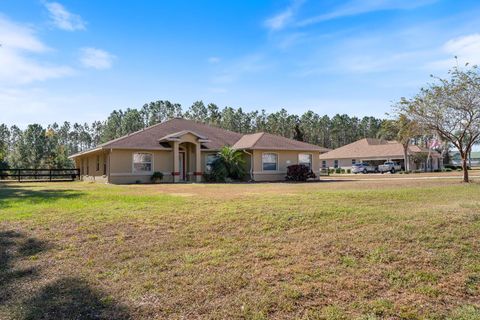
[324, 164]
[335, 163]
[209, 161]
[270, 162]
[142, 162]
[354, 161]
[305, 159]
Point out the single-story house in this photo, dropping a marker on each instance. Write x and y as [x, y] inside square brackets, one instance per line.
[183, 150]
[377, 151]
[473, 159]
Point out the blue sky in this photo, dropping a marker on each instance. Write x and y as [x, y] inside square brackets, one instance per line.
[79, 60]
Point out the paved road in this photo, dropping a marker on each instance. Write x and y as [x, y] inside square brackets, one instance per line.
[393, 177]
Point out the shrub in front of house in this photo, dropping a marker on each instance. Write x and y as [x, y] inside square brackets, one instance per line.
[218, 172]
[338, 170]
[299, 172]
[349, 170]
[229, 166]
[157, 176]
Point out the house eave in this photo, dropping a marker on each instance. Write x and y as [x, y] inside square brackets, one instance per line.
[85, 152]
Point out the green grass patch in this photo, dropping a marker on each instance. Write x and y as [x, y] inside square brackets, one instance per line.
[347, 250]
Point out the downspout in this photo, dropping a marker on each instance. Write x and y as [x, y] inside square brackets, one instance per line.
[109, 167]
[251, 164]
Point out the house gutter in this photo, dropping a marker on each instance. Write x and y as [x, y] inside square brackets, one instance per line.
[109, 167]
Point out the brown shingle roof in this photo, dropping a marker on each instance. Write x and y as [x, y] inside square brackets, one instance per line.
[372, 148]
[149, 137]
[214, 138]
[267, 141]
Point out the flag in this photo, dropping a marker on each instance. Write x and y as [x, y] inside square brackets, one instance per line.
[434, 143]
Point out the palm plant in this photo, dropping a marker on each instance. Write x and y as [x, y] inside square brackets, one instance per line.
[229, 165]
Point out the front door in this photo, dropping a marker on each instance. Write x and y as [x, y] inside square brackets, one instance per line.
[181, 165]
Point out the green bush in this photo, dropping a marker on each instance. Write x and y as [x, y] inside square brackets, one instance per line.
[299, 172]
[157, 176]
[228, 166]
[218, 172]
[349, 170]
[338, 170]
[447, 170]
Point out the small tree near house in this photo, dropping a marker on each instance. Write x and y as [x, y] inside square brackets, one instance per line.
[451, 107]
[402, 129]
[229, 165]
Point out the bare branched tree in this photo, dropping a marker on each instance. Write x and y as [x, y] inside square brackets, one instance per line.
[451, 107]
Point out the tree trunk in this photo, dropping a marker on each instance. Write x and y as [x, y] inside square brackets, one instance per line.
[465, 168]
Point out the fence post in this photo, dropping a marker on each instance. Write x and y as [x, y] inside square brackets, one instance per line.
[50, 174]
[18, 172]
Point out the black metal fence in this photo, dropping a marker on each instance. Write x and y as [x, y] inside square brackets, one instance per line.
[39, 174]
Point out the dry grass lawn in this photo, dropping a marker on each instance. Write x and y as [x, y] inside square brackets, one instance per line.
[393, 249]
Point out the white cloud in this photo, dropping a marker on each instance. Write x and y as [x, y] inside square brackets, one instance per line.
[249, 64]
[63, 19]
[356, 7]
[280, 20]
[18, 66]
[465, 48]
[214, 60]
[15, 36]
[20, 69]
[36, 104]
[96, 58]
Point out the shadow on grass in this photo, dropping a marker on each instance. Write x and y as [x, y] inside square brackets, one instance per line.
[62, 298]
[14, 247]
[72, 298]
[9, 194]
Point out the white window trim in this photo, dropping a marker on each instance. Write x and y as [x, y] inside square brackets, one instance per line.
[146, 172]
[278, 161]
[311, 159]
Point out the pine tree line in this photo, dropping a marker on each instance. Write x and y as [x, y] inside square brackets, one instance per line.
[39, 147]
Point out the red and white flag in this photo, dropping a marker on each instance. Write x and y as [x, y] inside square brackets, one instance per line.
[434, 143]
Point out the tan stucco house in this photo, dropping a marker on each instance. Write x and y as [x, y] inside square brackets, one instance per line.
[183, 149]
[377, 151]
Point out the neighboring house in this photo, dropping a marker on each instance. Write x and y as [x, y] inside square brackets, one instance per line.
[474, 159]
[183, 150]
[376, 151]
